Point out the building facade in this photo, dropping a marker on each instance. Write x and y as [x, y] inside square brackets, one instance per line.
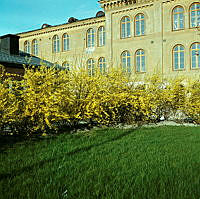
[141, 36]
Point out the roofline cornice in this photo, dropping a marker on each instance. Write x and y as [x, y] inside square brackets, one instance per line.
[66, 26]
[137, 7]
[109, 4]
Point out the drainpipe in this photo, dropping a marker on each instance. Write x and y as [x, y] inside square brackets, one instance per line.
[162, 37]
[111, 39]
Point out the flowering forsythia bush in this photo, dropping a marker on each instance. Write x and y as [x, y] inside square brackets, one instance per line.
[47, 98]
[192, 107]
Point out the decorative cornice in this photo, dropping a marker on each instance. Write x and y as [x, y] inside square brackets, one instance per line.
[60, 28]
[114, 4]
[110, 4]
[134, 8]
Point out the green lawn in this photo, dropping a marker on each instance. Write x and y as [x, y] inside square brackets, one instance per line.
[147, 163]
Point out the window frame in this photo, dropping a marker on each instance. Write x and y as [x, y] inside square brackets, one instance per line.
[67, 41]
[190, 24]
[104, 65]
[27, 46]
[101, 36]
[92, 35]
[56, 44]
[128, 69]
[91, 70]
[125, 30]
[140, 71]
[179, 58]
[172, 20]
[135, 30]
[35, 50]
[196, 68]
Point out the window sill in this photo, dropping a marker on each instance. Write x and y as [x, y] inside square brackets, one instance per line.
[195, 68]
[178, 30]
[139, 35]
[178, 69]
[125, 37]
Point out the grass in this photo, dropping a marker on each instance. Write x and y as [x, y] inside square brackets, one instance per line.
[147, 163]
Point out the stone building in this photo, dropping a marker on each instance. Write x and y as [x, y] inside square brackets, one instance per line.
[141, 36]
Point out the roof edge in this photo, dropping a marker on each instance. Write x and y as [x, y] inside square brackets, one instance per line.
[53, 26]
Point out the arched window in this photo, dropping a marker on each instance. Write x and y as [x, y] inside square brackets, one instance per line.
[178, 57]
[27, 48]
[178, 18]
[66, 65]
[139, 24]
[195, 55]
[102, 65]
[35, 47]
[90, 38]
[101, 36]
[56, 44]
[65, 42]
[140, 61]
[195, 15]
[126, 61]
[125, 27]
[90, 67]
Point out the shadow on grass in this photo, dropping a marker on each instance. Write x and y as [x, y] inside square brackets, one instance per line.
[7, 141]
[14, 173]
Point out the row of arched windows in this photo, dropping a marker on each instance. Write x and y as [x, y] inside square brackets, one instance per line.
[56, 47]
[178, 53]
[91, 66]
[178, 17]
[179, 56]
[101, 66]
[125, 62]
[31, 48]
[140, 62]
[90, 37]
[56, 43]
[139, 23]
[178, 21]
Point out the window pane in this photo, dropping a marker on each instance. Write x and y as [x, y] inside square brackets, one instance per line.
[176, 60]
[128, 30]
[125, 27]
[138, 64]
[193, 61]
[142, 28]
[137, 28]
[182, 60]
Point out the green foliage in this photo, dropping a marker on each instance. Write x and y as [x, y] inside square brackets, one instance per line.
[47, 97]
